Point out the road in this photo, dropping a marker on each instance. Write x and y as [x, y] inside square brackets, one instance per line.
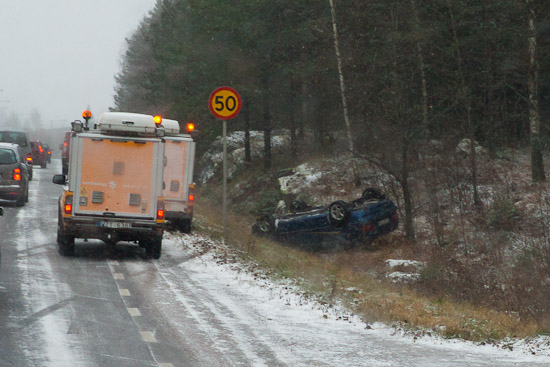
[105, 307]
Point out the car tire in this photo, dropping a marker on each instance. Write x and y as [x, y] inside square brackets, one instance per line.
[27, 194]
[338, 213]
[20, 201]
[371, 193]
[265, 224]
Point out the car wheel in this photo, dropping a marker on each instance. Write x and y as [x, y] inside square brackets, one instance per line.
[338, 213]
[20, 201]
[266, 224]
[27, 194]
[372, 193]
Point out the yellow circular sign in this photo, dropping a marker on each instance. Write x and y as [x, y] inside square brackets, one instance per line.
[225, 103]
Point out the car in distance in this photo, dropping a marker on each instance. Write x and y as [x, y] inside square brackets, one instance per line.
[48, 151]
[65, 148]
[368, 217]
[39, 154]
[14, 177]
[21, 138]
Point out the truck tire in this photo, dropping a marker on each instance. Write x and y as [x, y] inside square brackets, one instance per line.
[65, 243]
[154, 248]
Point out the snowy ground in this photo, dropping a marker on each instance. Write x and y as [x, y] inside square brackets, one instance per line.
[302, 331]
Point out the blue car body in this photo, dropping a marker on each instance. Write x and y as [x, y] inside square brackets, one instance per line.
[361, 219]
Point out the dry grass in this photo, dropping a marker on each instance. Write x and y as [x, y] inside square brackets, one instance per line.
[353, 277]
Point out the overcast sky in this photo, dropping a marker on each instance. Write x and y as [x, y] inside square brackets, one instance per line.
[60, 56]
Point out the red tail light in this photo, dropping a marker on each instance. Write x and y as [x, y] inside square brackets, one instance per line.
[29, 158]
[160, 210]
[191, 193]
[394, 217]
[17, 174]
[68, 207]
[40, 149]
[369, 227]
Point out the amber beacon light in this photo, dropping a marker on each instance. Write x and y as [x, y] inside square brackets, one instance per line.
[86, 114]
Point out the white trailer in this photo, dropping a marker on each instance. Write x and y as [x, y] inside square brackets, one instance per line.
[179, 189]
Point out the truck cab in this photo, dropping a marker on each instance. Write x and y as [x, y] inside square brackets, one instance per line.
[113, 190]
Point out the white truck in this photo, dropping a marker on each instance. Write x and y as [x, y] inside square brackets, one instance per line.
[113, 191]
[179, 189]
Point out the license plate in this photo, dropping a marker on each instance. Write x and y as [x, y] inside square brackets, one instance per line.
[113, 224]
[384, 222]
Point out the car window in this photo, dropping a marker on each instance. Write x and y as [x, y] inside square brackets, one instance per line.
[7, 156]
[14, 137]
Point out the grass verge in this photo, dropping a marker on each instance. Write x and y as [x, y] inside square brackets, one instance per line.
[344, 276]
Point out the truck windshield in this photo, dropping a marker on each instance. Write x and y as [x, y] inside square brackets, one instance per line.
[14, 137]
[7, 156]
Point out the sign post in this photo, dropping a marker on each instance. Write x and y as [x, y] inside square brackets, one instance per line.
[224, 103]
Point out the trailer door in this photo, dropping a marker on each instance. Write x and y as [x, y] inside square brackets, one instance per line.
[118, 177]
[178, 170]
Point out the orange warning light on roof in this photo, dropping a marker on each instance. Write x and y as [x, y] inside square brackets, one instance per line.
[158, 120]
[190, 127]
[86, 114]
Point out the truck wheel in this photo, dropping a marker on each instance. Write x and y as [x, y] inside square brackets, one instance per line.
[154, 248]
[184, 225]
[65, 244]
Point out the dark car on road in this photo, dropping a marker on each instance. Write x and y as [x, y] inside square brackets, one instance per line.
[48, 151]
[368, 217]
[39, 154]
[14, 176]
[21, 138]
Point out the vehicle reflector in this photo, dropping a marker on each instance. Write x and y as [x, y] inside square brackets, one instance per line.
[191, 197]
[190, 127]
[394, 217]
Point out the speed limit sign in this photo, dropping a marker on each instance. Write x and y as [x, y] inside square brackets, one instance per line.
[225, 103]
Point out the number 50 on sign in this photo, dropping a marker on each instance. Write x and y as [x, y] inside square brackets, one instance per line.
[225, 103]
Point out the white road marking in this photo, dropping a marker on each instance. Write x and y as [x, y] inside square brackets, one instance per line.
[124, 292]
[148, 337]
[114, 262]
[118, 276]
[166, 365]
[134, 312]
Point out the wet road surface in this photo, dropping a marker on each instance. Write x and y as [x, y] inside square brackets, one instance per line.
[106, 307]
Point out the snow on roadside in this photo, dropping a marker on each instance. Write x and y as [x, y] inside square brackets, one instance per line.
[332, 334]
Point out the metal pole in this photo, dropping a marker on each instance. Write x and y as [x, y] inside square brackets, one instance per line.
[224, 181]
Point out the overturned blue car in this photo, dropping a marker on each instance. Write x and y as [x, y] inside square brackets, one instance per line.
[368, 217]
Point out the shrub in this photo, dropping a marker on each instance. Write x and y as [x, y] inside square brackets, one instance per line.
[503, 215]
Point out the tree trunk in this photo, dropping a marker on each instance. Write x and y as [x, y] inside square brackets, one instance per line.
[466, 96]
[292, 117]
[407, 197]
[537, 164]
[266, 123]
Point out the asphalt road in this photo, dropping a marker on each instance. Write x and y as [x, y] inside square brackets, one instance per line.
[105, 307]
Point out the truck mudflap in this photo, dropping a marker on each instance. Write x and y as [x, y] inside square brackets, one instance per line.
[112, 229]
